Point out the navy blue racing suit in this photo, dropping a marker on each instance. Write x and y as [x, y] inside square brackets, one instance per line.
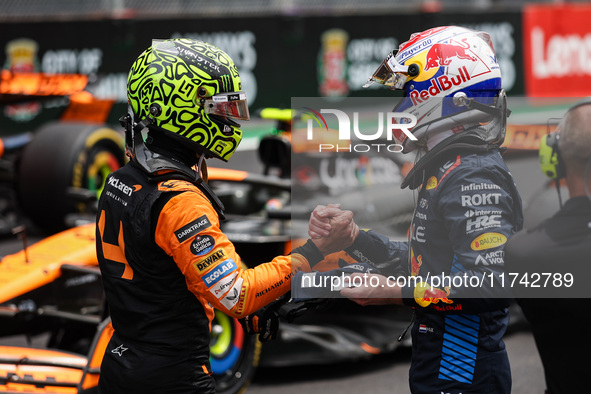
[467, 208]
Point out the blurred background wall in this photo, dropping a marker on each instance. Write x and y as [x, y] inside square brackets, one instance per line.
[290, 48]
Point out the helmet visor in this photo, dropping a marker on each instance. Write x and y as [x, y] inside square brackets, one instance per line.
[232, 105]
[389, 73]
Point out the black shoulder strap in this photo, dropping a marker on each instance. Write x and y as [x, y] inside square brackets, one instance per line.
[161, 168]
[200, 183]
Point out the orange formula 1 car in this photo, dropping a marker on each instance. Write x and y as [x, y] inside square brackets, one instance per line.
[54, 142]
[53, 288]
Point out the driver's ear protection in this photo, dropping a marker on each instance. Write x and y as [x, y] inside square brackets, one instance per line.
[550, 161]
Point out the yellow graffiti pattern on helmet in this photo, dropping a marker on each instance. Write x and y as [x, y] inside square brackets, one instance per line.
[172, 82]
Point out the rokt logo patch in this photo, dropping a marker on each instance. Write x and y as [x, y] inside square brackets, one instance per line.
[488, 241]
[202, 245]
[192, 228]
[202, 265]
[477, 200]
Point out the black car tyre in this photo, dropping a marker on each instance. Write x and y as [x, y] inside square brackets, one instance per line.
[63, 157]
[234, 355]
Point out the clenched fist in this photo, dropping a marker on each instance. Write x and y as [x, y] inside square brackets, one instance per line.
[331, 228]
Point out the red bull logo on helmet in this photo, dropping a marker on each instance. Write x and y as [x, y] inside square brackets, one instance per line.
[441, 54]
[450, 58]
[439, 85]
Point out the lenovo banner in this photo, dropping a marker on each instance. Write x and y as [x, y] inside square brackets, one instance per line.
[557, 50]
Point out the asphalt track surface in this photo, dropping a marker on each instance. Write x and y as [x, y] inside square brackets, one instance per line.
[388, 373]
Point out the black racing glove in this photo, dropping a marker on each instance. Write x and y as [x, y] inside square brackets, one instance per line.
[265, 321]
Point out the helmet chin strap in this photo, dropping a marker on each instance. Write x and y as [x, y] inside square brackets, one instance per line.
[461, 99]
[474, 115]
[156, 164]
[202, 168]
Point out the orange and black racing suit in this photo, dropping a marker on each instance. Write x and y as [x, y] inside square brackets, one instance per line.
[166, 265]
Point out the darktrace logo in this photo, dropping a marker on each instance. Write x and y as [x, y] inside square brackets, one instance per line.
[192, 228]
[390, 126]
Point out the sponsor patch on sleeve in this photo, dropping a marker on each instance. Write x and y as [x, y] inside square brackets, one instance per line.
[242, 300]
[223, 285]
[431, 183]
[233, 295]
[220, 271]
[196, 226]
[205, 263]
[202, 245]
[488, 241]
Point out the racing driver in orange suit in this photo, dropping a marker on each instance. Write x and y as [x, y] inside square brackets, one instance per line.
[164, 261]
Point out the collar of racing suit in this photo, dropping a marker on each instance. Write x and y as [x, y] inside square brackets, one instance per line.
[459, 142]
[159, 142]
[161, 167]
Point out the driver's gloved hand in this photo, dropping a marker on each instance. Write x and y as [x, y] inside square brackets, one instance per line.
[265, 321]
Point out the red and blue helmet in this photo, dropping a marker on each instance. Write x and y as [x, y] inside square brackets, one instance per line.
[440, 70]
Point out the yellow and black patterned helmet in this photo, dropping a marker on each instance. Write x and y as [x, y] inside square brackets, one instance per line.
[191, 90]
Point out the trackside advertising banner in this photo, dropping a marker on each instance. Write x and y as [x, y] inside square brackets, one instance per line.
[278, 58]
[557, 50]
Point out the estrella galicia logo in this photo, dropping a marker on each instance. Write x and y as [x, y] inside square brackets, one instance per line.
[202, 244]
[192, 228]
[219, 272]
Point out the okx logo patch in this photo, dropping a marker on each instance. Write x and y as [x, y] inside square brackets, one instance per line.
[213, 276]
